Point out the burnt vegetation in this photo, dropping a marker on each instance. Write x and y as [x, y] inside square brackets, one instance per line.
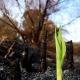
[30, 52]
[33, 51]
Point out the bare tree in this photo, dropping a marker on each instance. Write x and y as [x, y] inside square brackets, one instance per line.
[37, 28]
[43, 7]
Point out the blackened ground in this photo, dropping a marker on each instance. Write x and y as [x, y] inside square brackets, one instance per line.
[11, 69]
[50, 74]
[8, 71]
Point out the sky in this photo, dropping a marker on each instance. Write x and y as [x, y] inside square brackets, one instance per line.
[69, 11]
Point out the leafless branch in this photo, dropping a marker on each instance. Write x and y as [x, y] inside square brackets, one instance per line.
[9, 50]
[41, 22]
[19, 5]
[11, 24]
[71, 21]
[40, 5]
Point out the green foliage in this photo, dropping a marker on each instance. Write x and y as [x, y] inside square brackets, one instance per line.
[60, 52]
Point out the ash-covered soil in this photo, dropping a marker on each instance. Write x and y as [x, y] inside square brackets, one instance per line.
[10, 72]
[11, 69]
[50, 74]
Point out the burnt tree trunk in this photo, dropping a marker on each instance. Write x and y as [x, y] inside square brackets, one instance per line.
[69, 54]
[43, 52]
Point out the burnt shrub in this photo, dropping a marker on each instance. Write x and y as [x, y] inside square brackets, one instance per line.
[26, 55]
[31, 59]
[9, 69]
[69, 62]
